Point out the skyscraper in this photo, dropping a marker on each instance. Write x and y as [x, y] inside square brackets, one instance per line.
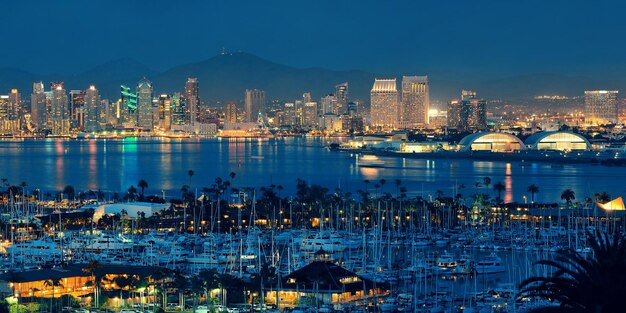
[384, 103]
[144, 105]
[341, 94]
[192, 99]
[328, 104]
[415, 102]
[309, 115]
[15, 112]
[601, 106]
[76, 109]
[306, 97]
[255, 104]
[179, 110]
[92, 109]
[38, 105]
[469, 113]
[230, 112]
[59, 116]
[165, 112]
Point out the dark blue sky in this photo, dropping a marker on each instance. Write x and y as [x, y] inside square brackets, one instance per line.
[475, 38]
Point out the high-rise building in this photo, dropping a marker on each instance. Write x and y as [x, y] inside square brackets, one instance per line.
[59, 115]
[255, 104]
[601, 106]
[92, 109]
[328, 104]
[384, 103]
[309, 115]
[5, 125]
[469, 113]
[179, 112]
[165, 112]
[192, 99]
[145, 118]
[15, 111]
[306, 97]
[230, 112]
[38, 105]
[415, 102]
[341, 94]
[76, 108]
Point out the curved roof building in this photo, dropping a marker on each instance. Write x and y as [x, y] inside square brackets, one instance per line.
[557, 140]
[490, 141]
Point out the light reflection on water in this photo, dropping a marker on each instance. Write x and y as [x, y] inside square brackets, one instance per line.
[114, 165]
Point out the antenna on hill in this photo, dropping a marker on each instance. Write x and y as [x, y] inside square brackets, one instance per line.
[223, 51]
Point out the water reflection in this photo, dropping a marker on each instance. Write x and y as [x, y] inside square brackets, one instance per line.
[113, 165]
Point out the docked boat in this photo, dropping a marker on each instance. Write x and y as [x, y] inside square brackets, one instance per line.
[491, 264]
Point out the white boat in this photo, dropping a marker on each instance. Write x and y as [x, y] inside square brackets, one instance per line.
[491, 264]
[327, 241]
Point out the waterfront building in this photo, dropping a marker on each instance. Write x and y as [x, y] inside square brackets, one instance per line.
[38, 105]
[59, 115]
[328, 104]
[180, 115]
[601, 106]
[76, 109]
[309, 115]
[164, 121]
[192, 99]
[91, 108]
[143, 109]
[341, 94]
[290, 117]
[15, 111]
[469, 113]
[492, 142]
[413, 111]
[230, 112]
[557, 140]
[325, 282]
[330, 122]
[255, 104]
[351, 123]
[384, 104]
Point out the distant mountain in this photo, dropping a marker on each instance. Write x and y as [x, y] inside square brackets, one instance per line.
[227, 76]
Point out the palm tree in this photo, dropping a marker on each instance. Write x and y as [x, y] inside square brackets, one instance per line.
[487, 181]
[499, 187]
[568, 195]
[69, 191]
[132, 192]
[190, 173]
[93, 268]
[53, 282]
[143, 184]
[533, 189]
[584, 283]
[603, 197]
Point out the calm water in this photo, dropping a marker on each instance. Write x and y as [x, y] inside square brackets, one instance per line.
[113, 165]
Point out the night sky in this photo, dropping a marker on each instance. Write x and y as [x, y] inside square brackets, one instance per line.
[466, 38]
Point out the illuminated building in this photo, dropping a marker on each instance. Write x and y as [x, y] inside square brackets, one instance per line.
[59, 115]
[384, 104]
[76, 108]
[192, 99]
[469, 113]
[415, 102]
[601, 106]
[309, 115]
[164, 121]
[255, 104]
[230, 112]
[493, 142]
[179, 111]
[328, 104]
[38, 105]
[144, 105]
[341, 94]
[557, 140]
[92, 109]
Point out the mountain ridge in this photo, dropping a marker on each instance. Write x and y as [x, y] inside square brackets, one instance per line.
[226, 77]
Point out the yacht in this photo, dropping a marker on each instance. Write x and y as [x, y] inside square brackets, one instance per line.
[491, 264]
[327, 241]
